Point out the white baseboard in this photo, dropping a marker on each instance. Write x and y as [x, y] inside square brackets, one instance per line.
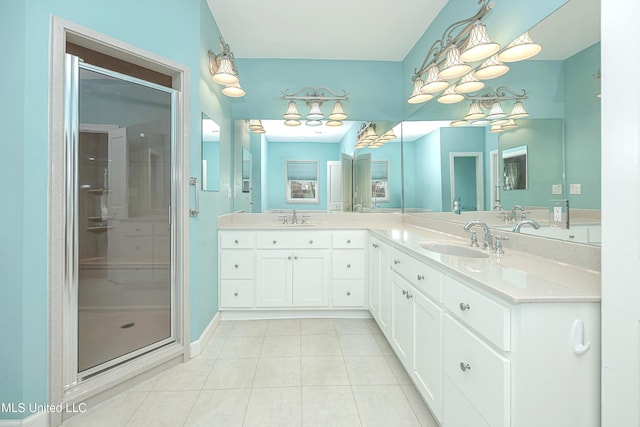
[201, 342]
[39, 419]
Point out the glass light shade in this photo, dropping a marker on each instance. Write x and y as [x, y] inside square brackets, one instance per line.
[496, 112]
[469, 83]
[496, 129]
[313, 123]
[521, 48]
[475, 112]
[315, 113]
[375, 145]
[450, 96]
[453, 66]
[225, 75]
[418, 97]
[370, 134]
[500, 122]
[510, 124]
[292, 112]
[292, 122]
[338, 112]
[255, 124]
[480, 122]
[388, 136]
[518, 111]
[491, 68]
[458, 123]
[234, 90]
[334, 123]
[479, 45]
[433, 83]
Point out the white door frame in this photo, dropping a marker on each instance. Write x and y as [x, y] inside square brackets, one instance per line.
[330, 165]
[61, 32]
[479, 176]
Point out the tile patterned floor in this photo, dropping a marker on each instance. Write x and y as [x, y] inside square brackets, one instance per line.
[262, 373]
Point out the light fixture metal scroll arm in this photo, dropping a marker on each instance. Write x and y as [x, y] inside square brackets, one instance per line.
[438, 48]
[314, 94]
[490, 95]
[225, 51]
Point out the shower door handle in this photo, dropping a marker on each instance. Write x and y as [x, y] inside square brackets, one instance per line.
[194, 212]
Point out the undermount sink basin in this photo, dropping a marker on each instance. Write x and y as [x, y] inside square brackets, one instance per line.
[455, 250]
[292, 225]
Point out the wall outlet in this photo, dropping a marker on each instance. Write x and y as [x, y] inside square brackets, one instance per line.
[556, 189]
[575, 189]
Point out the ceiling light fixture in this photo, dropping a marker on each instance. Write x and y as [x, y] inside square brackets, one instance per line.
[256, 126]
[490, 100]
[314, 98]
[463, 44]
[223, 70]
[520, 49]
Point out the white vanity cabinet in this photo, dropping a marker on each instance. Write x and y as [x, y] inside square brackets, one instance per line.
[379, 289]
[348, 268]
[236, 269]
[293, 269]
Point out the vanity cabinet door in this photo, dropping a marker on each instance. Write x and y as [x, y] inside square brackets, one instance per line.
[402, 320]
[273, 278]
[311, 279]
[427, 351]
[379, 296]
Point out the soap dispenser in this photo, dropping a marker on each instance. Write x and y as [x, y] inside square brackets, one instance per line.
[456, 206]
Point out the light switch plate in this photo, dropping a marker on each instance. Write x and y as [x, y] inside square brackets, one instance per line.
[556, 189]
[575, 189]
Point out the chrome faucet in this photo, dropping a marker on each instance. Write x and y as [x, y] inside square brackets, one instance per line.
[488, 238]
[294, 217]
[531, 222]
[514, 213]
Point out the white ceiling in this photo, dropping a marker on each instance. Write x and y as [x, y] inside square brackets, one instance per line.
[277, 131]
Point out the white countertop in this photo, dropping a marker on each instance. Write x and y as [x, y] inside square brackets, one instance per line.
[515, 276]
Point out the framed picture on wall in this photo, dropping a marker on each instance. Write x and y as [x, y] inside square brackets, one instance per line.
[514, 162]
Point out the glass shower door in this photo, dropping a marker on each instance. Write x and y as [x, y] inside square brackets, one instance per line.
[123, 190]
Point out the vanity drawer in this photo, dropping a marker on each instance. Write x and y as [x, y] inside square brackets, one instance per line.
[348, 293]
[481, 313]
[236, 264]
[349, 239]
[423, 277]
[481, 374]
[236, 240]
[236, 293]
[348, 263]
[294, 240]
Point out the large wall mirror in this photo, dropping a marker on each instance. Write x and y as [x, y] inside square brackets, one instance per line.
[210, 154]
[560, 141]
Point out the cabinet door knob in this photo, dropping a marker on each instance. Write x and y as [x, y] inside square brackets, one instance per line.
[465, 367]
[295, 257]
[289, 257]
[236, 241]
[375, 245]
[235, 294]
[420, 276]
[348, 293]
[404, 292]
[348, 241]
[311, 242]
[464, 307]
[396, 261]
[348, 265]
[236, 266]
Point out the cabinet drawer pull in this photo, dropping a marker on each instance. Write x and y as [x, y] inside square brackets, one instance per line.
[348, 293]
[375, 245]
[288, 257]
[295, 257]
[348, 265]
[348, 241]
[404, 292]
[464, 307]
[236, 266]
[396, 261]
[235, 294]
[311, 242]
[409, 296]
[420, 276]
[236, 241]
[465, 367]
[275, 241]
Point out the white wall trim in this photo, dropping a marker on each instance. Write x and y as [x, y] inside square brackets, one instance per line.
[205, 336]
[39, 419]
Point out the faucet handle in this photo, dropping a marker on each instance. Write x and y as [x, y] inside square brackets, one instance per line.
[284, 218]
[474, 239]
[498, 246]
[304, 218]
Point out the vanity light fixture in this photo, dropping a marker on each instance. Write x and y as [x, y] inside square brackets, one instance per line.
[490, 100]
[450, 96]
[314, 98]
[457, 54]
[520, 49]
[256, 126]
[223, 70]
[367, 137]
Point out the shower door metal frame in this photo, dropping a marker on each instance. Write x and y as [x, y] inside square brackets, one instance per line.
[64, 388]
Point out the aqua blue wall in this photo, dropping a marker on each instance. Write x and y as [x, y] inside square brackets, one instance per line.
[279, 153]
[392, 153]
[465, 183]
[12, 169]
[424, 185]
[582, 127]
